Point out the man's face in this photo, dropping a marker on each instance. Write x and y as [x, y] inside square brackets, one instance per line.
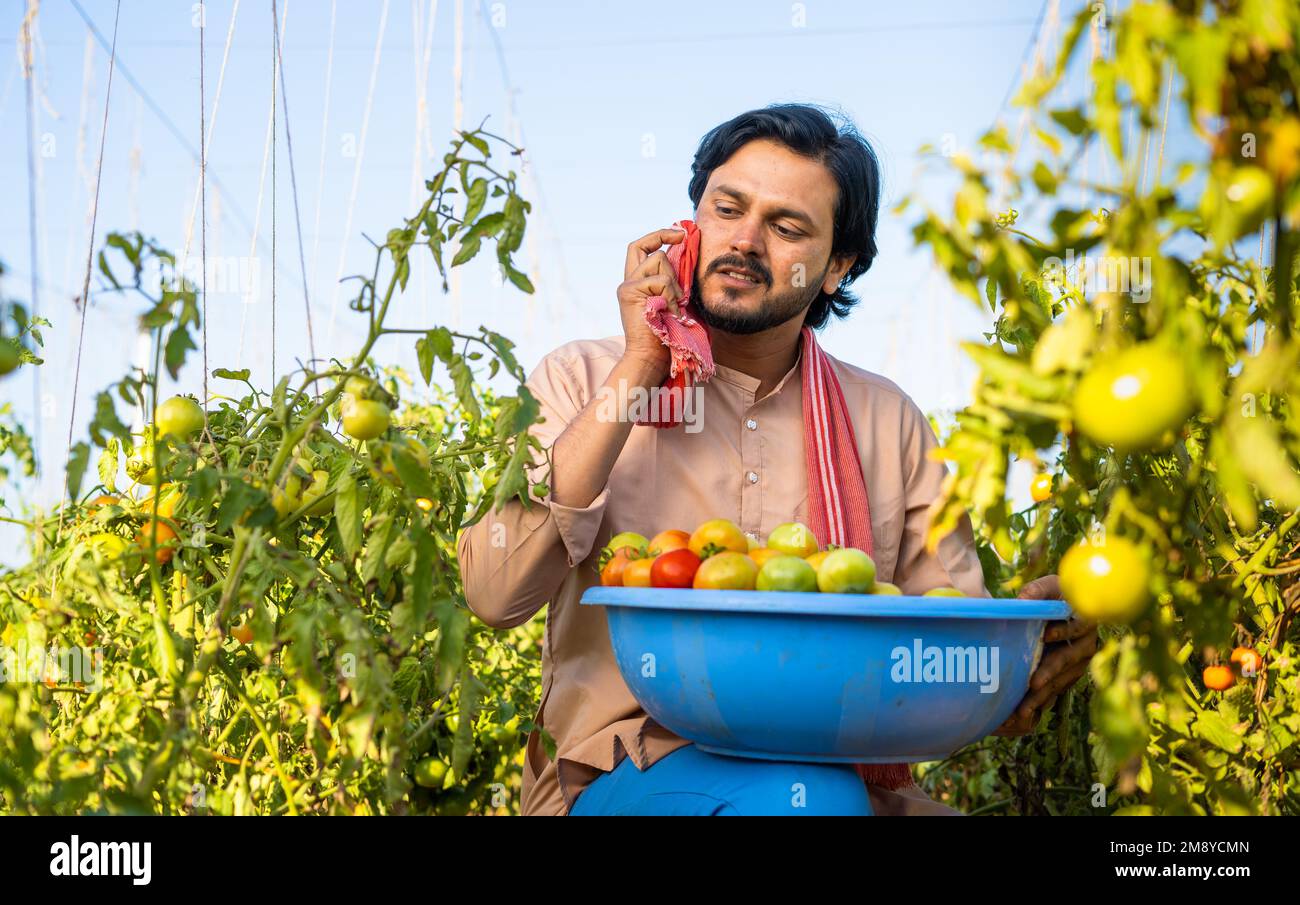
[766, 214]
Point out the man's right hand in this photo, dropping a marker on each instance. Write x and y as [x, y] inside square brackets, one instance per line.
[647, 274]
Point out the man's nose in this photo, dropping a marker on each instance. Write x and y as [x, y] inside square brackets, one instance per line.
[747, 237]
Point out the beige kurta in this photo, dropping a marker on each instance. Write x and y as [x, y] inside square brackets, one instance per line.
[745, 463]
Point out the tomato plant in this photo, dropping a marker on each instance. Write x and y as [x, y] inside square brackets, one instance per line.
[298, 641]
[1154, 385]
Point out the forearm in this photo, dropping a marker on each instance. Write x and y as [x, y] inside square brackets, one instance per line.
[584, 455]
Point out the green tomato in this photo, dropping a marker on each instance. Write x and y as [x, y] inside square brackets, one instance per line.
[846, 571]
[320, 480]
[786, 573]
[620, 540]
[431, 773]
[793, 539]
[943, 592]
[885, 588]
[365, 419]
[180, 417]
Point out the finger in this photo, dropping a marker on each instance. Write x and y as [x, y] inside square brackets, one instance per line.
[1041, 697]
[657, 265]
[1046, 588]
[1062, 657]
[647, 245]
[656, 284]
[1015, 725]
[1068, 630]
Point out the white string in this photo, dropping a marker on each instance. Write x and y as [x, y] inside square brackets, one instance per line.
[257, 215]
[324, 138]
[29, 72]
[356, 171]
[457, 120]
[90, 256]
[297, 217]
[422, 57]
[275, 71]
[83, 118]
[205, 143]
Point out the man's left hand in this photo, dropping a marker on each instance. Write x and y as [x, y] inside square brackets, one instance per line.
[1069, 647]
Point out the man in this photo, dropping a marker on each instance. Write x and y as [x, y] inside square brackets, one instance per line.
[786, 204]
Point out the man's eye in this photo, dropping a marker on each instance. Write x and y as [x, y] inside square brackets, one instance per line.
[788, 233]
[727, 210]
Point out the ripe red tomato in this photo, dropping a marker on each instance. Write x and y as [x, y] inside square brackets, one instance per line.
[674, 569]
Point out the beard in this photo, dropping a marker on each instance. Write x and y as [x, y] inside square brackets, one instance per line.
[722, 310]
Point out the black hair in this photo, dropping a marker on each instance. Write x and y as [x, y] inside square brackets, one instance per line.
[810, 131]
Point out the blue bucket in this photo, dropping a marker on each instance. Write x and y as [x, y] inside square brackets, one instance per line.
[832, 678]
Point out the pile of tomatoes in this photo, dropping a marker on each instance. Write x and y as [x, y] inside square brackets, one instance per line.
[719, 556]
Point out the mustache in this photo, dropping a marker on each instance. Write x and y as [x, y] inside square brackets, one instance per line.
[727, 263]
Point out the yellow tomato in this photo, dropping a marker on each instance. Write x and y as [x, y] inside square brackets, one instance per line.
[720, 534]
[1106, 580]
[1040, 488]
[726, 571]
[1135, 399]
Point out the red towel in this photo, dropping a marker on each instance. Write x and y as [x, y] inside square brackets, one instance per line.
[837, 492]
[685, 337]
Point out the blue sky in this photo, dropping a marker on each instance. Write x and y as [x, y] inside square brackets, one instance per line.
[611, 98]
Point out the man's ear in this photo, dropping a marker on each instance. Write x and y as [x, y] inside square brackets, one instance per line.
[840, 265]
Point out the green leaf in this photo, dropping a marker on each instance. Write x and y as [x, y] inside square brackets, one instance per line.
[109, 461]
[519, 279]
[475, 197]
[377, 540]
[1214, 729]
[416, 479]
[453, 625]
[227, 374]
[242, 500]
[471, 698]
[1072, 120]
[347, 513]
[513, 481]
[441, 340]
[105, 420]
[466, 252]
[463, 378]
[78, 459]
[424, 356]
[1044, 178]
[178, 343]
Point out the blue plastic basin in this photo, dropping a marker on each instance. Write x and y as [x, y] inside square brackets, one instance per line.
[825, 677]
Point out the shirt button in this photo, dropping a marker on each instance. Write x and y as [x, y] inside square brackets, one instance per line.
[751, 424]
[753, 477]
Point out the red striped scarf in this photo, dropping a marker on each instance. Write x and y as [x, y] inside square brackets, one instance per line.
[838, 508]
